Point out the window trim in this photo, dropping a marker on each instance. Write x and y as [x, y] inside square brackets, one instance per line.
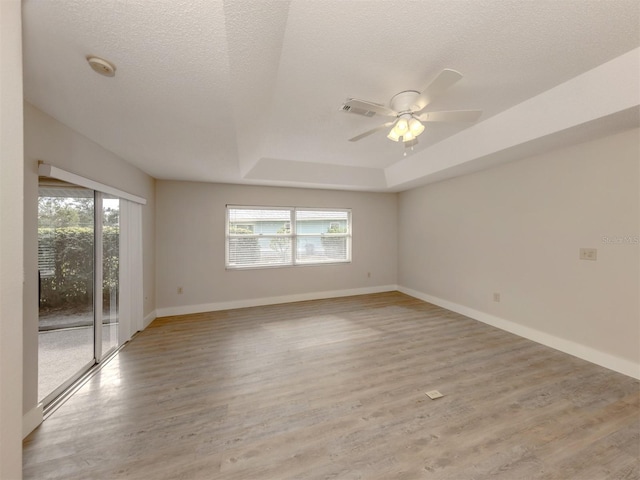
[293, 234]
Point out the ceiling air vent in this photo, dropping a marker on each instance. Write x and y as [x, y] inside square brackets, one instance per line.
[358, 111]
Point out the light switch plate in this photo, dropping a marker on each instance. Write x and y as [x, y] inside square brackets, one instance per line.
[433, 394]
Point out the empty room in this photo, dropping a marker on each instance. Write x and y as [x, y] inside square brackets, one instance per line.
[320, 239]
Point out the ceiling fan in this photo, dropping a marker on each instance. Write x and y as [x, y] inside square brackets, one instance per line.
[408, 107]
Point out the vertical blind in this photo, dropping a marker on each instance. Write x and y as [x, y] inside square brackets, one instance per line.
[131, 293]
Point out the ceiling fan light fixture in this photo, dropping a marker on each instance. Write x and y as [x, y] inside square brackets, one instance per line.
[406, 127]
[416, 127]
[401, 126]
[393, 135]
[408, 136]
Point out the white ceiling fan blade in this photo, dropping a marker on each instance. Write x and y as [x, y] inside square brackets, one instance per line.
[451, 116]
[368, 109]
[443, 81]
[371, 132]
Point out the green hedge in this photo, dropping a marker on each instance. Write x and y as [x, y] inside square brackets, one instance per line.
[67, 253]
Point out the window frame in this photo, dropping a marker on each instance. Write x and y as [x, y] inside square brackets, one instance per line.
[295, 237]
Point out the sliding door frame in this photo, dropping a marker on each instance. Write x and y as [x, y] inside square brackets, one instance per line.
[130, 277]
[98, 281]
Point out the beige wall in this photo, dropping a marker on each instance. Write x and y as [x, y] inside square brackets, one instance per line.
[190, 237]
[517, 230]
[48, 140]
[11, 215]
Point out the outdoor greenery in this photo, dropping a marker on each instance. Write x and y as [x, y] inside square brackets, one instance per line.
[66, 252]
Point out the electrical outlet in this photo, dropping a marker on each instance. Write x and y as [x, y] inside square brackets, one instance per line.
[589, 254]
[496, 297]
[180, 290]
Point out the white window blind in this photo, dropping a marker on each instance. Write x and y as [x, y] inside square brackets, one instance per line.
[286, 236]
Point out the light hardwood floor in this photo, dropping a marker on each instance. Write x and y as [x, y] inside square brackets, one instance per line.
[335, 389]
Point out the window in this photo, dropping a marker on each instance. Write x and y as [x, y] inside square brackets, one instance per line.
[248, 228]
[286, 236]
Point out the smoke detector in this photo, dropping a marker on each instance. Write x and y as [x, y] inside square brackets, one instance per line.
[101, 66]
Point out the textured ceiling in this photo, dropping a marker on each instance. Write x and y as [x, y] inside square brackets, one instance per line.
[248, 91]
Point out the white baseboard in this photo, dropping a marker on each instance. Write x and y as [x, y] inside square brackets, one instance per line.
[589, 354]
[258, 302]
[148, 319]
[31, 420]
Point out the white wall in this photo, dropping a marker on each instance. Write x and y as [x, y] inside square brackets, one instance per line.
[517, 230]
[48, 140]
[190, 237]
[11, 215]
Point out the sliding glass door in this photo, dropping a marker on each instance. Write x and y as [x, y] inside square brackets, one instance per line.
[78, 269]
[110, 274]
[66, 244]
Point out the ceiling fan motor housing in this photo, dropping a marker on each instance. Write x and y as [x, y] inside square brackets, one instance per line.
[405, 102]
